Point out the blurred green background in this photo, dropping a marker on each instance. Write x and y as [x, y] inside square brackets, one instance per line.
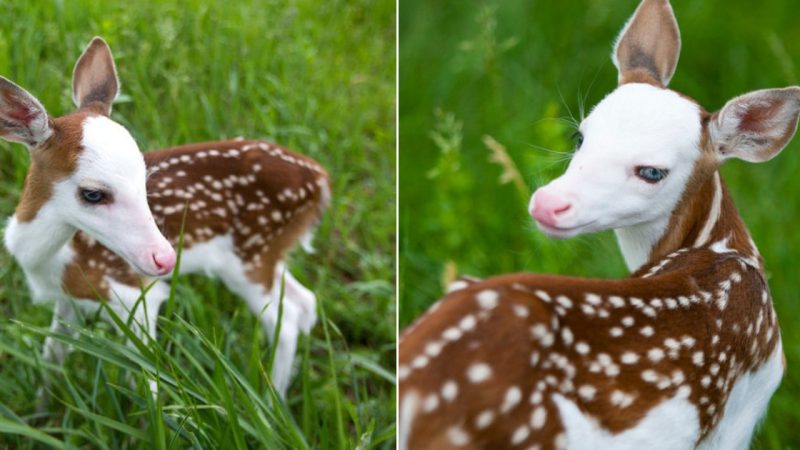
[487, 90]
[317, 77]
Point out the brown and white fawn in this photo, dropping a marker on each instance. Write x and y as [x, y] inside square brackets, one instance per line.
[685, 353]
[83, 228]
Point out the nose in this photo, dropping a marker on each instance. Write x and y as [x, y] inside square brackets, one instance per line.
[164, 260]
[548, 206]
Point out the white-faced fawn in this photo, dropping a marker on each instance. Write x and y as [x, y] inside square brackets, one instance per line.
[84, 231]
[683, 354]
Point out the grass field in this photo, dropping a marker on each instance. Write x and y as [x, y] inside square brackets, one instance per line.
[502, 74]
[318, 77]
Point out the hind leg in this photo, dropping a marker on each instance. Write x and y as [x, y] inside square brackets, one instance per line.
[265, 303]
[299, 295]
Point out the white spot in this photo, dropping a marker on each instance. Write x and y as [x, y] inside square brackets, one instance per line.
[484, 419]
[430, 403]
[419, 362]
[520, 434]
[538, 417]
[449, 390]
[544, 296]
[587, 392]
[479, 372]
[487, 299]
[627, 321]
[434, 348]
[582, 348]
[615, 331]
[520, 311]
[594, 299]
[698, 359]
[457, 436]
[655, 354]
[467, 323]
[452, 334]
[646, 331]
[650, 376]
[629, 358]
[566, 336]
[621, 399]
[616, 301]
[564, 301]
[512, 399]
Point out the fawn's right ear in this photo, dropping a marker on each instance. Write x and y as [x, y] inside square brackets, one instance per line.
[94, 80]
[22, 118]
[648, 47]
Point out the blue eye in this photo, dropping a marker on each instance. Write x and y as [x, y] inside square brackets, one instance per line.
[578, 138]
[93, 196]
[651, 175]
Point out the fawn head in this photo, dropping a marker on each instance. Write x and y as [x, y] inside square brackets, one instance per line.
[644, 148]
[86, 170]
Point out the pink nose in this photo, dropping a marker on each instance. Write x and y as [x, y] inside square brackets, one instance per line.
[164, 260]
[548, 206]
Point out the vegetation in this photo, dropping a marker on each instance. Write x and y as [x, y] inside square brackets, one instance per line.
[488, 96]
[318, 77]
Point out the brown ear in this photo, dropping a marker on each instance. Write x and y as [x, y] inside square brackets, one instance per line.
[94, 81]
[22, 118]
[755, 127]
[647, 49]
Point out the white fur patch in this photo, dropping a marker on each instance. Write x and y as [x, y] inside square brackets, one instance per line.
[747, 403]
[677, 415]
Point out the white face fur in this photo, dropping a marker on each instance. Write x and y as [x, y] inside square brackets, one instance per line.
[636, 126]
[112, 168]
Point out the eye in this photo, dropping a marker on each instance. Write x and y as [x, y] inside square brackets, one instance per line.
[651, 175]
[578, 138]
[94, 196]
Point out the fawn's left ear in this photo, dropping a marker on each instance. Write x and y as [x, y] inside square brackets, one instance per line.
[756, 126]
[647, 49]
[94, 81]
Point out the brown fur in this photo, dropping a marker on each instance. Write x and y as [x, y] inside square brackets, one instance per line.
[504, 341]
[245, 186]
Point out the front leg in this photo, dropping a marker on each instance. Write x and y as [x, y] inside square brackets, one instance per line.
[140, 311]
[56, 351]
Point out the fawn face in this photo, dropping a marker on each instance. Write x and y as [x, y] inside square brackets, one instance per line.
[86, 170]
[636, 152]
[644, 148]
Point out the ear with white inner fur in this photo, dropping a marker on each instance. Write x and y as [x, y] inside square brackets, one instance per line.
[647, 49]
[94, 81]
[22, 118]
[756, 126]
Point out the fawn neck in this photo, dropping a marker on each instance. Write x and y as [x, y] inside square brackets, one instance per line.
[706, 217]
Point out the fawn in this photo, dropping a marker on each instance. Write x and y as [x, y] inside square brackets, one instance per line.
[83, 230]
[685, 353]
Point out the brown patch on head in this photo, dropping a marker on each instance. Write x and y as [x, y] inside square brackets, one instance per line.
[52, 161]
[692, 211]
[649, 46]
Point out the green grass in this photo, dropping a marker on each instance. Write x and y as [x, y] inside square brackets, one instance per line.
[511, 69]
[318, 77]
